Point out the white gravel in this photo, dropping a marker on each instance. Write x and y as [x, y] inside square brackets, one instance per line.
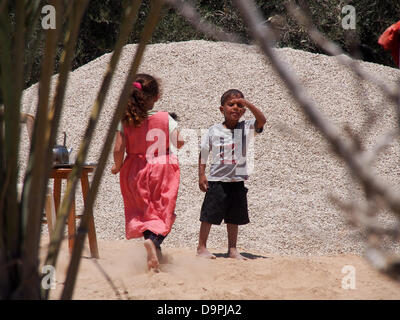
[294, 168]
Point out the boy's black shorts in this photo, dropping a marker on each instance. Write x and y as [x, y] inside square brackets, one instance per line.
[225, 201]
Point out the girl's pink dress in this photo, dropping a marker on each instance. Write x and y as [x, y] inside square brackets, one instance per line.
[149, 186]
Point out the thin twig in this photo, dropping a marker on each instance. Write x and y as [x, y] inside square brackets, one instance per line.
[148, 30]
[108, 278]
[369, 156]
[54, 116]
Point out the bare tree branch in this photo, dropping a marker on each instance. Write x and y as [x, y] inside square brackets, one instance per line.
[369, 156]
[384, 262]
[264, 36]
[362, 215]
[355, 160]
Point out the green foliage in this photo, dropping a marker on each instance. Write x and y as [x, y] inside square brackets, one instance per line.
[99, 30]
[102, 20]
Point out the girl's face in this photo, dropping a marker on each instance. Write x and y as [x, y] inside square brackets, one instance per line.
[233, 109]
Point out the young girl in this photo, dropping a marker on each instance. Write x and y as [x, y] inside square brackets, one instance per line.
[149, 174]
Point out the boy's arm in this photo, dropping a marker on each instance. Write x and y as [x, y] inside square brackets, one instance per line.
[203, 156]
[260, 118]
[203, 182]
[119, 152]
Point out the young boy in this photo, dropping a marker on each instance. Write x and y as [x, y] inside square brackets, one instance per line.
[226, 195]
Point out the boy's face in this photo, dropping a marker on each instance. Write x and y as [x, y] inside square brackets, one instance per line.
[233, 109]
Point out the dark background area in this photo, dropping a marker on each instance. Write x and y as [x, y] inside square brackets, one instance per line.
[101, 22]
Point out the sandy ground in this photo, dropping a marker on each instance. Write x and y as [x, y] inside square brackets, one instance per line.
[185, 276]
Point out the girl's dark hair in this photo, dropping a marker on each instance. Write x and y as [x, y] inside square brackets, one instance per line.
[230, 93]
[143, 88]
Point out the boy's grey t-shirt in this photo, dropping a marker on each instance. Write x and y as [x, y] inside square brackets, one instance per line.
[231, 152]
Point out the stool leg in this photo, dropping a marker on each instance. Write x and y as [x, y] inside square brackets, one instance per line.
[71, 226]
[57, 193]
[94, 250]
[50, 213]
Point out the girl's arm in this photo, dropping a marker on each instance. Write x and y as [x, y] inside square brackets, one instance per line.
[119, 152]
[176, 139]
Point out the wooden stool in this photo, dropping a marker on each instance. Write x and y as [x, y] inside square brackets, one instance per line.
[59, 173]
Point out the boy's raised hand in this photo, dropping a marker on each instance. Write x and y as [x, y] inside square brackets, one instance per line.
[241, 102]
[260, 118]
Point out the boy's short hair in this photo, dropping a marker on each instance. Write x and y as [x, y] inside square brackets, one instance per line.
[229, 93]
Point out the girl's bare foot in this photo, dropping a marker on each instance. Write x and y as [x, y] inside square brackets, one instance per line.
[152, 260]
[204, 253]
[160, 256]
[234, 254]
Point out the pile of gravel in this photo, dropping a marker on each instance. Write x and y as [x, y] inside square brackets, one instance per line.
[295, 170]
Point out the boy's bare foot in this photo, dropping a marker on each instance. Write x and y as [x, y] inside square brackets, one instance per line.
[152, 260]
[204, 253]
[234, 254]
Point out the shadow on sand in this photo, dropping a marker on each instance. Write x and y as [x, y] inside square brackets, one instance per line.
[244, 254]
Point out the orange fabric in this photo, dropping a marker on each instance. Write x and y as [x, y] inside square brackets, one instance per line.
[389, 40]
[149, 182]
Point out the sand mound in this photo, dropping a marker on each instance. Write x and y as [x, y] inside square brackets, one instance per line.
[294, 169]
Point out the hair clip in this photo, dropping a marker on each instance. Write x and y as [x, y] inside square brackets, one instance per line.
[137, 85]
